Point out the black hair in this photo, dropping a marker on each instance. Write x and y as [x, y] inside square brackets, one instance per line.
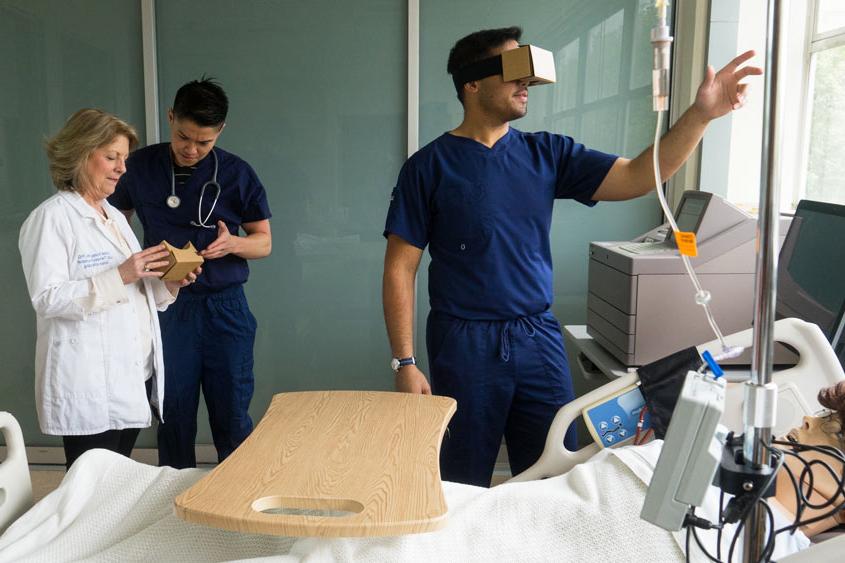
[478, 46]
[202, 101]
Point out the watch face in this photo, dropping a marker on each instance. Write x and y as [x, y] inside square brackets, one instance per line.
[394, 364]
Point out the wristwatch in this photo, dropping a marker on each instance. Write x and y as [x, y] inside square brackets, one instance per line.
[397, 363]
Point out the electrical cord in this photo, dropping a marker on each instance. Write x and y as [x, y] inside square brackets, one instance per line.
[806, 478]
[692, 523]
[769, 547]
[722, 524]
[739, 528]
[803, 501]
[798, 492]
[701, 546]
[741, 507]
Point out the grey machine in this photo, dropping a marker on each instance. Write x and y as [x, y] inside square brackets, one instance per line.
[641, 306]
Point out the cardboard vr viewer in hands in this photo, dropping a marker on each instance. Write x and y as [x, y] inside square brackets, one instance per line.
[180, 262]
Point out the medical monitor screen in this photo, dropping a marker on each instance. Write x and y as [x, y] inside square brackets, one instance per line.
[811, 270]
[690, 212]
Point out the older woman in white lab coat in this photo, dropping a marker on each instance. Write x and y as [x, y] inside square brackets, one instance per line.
[98, 357]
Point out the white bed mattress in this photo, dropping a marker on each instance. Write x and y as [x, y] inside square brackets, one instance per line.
[109, 508]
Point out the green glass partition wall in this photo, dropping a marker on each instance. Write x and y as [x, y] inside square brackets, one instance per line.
[318, 94]
[58, 57]
[318, 107]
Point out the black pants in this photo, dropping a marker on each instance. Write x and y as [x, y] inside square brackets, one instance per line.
[120, 441]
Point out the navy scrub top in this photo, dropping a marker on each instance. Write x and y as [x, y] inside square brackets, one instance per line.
[145, 188]
[486, 215]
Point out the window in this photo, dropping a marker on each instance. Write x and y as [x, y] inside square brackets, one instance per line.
[824, 168]
[602, 97]
[811, 118]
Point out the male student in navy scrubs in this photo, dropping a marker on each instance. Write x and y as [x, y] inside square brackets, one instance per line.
[190, 190]
[481, 198]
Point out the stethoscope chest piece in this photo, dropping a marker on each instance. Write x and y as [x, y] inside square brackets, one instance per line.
[173, 200]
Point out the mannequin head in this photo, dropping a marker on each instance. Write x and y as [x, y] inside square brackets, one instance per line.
[817, 431]
[833, 397]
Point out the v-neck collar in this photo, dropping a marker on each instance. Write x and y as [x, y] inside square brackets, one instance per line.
[500, 145]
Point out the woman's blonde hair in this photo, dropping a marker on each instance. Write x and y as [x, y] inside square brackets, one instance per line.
[83, 133]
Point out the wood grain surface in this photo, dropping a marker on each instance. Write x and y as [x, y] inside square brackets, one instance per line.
[331, 463]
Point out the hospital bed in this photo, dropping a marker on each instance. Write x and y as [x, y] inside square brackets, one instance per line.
[15, 484]
[580, 506]
[817, 367]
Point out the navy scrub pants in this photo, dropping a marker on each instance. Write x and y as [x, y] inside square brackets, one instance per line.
[208, 344]
[509, 379]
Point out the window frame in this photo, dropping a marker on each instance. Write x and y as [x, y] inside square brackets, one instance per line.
[814, 44]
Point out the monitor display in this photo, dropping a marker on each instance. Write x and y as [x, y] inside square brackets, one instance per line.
[811, 270]
[690, 212]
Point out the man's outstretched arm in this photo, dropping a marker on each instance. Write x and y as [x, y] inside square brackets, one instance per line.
[720, 93]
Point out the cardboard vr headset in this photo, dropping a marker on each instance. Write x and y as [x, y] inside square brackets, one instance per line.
[180, 262]
[530, 63]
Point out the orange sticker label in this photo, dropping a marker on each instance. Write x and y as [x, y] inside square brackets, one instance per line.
[686, 243]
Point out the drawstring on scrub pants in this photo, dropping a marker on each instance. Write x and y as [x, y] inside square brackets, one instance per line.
[527, 326]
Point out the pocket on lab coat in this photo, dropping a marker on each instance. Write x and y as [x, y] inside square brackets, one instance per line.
[75, 366]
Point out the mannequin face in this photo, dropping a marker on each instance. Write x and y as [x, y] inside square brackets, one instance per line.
[818, 431]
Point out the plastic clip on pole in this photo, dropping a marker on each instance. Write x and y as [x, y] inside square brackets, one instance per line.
[661, 42]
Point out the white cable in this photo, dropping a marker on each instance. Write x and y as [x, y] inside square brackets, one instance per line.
[702, 296]
[661, 42]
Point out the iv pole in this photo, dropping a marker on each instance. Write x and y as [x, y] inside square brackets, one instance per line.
[760, 393]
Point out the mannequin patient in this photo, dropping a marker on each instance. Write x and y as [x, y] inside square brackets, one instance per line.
[817, 431]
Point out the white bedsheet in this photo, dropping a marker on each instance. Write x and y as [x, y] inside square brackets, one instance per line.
[109, 508]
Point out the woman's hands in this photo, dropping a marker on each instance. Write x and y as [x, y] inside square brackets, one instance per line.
[141, 264]
[173, 286]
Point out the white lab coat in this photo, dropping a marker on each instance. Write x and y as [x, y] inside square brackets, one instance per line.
[89, 369]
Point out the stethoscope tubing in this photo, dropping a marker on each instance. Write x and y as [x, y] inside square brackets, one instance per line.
[173, 201]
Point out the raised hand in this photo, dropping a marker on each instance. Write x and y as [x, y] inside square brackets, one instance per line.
[722, 92]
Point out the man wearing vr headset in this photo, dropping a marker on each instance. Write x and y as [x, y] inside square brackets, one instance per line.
[481, 196]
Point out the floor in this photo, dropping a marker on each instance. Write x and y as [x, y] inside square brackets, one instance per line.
[46, 475]
[45, 478]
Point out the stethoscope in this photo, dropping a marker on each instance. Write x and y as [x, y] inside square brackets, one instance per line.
[173, 200]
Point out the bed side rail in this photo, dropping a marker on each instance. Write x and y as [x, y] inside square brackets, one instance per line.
[15, 484]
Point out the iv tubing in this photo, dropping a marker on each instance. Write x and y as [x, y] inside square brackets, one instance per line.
[702, 296]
